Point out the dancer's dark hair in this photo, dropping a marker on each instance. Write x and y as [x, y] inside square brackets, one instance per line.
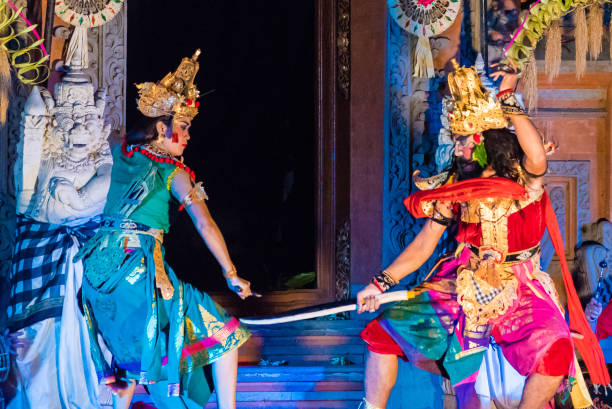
[504, 152]
[145, 129]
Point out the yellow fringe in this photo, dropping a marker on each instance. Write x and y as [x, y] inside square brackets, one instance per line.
[582, 41]
[530, 79]
[595, 26]
[28, 69]
[423, 64]
[553, 51]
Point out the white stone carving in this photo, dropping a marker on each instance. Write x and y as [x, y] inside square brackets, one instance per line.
[64, 173]
[107, 69]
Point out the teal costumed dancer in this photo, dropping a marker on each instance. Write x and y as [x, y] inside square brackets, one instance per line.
[162, 332]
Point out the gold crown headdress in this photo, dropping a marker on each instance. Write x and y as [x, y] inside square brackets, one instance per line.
[175, 94]
[473, 109]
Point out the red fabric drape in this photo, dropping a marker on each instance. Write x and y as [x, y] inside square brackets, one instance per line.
[481, 188]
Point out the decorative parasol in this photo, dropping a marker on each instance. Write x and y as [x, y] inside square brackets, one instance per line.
[424, 19]
[83, 14]
[87, 13]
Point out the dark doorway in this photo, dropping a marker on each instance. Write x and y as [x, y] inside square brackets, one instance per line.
[254, 142]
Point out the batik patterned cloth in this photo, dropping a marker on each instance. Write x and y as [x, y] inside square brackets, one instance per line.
[37, 279]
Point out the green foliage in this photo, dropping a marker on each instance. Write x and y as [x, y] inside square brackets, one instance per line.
[480, 155]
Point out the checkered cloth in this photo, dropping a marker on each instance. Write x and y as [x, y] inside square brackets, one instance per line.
[482, 297]
[37, 278]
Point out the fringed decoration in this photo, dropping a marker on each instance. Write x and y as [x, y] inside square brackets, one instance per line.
[595, 27]
[581, 35]
[530, 79]
[553, 51]
[77, 55]
[423, 63]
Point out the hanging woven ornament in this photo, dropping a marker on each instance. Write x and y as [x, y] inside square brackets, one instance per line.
[530, 79]
[83, 14]
[552, 55]
[22, 50]
[581, 35]
[595, 27]
[424, 19]
[87, 13]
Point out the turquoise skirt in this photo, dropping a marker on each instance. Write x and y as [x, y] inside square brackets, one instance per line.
[155, 341]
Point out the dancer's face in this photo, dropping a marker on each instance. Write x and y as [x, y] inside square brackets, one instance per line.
[176, 141]
[464, 149]
[464, 146]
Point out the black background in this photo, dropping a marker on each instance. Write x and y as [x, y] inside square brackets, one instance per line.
[254, 133]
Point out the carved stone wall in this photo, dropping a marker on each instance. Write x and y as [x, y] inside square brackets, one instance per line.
[107, 66]
[411, 140]
[568, 184]
[404, 109]
[107, 56]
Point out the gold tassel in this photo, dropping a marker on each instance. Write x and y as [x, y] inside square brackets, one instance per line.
[610, 36]
[553, 51]
[582, 41]
[595, 26]
[423, 64]
[161, 277]
[530, 79]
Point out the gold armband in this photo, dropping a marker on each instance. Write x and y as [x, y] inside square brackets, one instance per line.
[196, 194]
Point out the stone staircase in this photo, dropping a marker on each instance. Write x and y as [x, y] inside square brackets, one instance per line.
[321, 366]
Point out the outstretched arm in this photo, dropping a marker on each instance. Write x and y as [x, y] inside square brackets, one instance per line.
[209, 231]
[413, 257]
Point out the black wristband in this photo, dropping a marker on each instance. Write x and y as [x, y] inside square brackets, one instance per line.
[384, 281]
[446, 222]
[533, 175]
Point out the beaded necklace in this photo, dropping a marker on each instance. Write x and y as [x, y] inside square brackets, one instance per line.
[156, 157]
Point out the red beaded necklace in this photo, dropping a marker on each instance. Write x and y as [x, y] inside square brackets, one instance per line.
[156, 158]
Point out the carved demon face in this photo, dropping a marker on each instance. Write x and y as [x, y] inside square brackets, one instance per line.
[78, 121]
[79, 133]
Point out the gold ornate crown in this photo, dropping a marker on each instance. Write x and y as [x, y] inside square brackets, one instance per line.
[473, 109]
[175, 94]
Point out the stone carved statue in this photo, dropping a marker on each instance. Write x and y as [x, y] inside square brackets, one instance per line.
[62, 176]
[64, 169]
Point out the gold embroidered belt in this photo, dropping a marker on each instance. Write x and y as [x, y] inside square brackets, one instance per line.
[130, 230]
[484, 252]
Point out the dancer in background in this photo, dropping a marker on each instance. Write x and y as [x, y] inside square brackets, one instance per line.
[162, 332]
